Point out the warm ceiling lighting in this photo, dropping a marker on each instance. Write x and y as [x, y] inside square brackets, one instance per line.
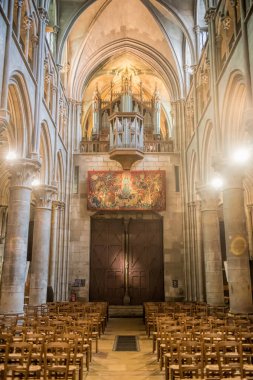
[217, 183]
[241, 155]
[11, 156]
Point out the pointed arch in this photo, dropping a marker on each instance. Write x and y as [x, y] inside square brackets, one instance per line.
[233, 130]
[20, 128]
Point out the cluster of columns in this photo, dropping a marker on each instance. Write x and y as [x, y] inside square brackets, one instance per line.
[237, 251]
[15, 268]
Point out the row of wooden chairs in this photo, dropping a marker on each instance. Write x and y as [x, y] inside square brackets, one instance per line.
[226, 359]
[41, 328]
[21, 358]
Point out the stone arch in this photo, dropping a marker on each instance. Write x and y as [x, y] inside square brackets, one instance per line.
[20, 127]
[143, 52]
[233, 130]
[46, 155]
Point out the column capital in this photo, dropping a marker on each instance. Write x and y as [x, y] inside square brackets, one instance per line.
[23, 171]
[43, 14]
[196, 29]
[44, 196]
[27, 22]
[210, 14]
[56, 205]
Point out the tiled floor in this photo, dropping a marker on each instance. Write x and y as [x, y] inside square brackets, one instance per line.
[109, 365]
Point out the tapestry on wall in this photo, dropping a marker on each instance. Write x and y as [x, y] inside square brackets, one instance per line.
[121, 190]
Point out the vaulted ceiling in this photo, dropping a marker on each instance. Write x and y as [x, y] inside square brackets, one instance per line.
[155, 38]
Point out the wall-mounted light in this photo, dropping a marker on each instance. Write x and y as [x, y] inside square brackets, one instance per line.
[241, 155]
[11, 155]
[217, 183]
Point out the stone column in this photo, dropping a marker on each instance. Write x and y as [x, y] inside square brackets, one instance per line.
[191, 258]
[239, 279]
[15, 255]
[53, 245]
[41, 244]
[59, 258]
[212, 246]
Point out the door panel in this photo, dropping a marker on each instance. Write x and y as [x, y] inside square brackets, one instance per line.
[145, 261]
[107, 261]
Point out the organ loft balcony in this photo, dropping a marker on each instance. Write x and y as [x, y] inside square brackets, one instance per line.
[126, 138]
[126, 121]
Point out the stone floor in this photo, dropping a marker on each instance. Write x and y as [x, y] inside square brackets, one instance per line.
[109, 365]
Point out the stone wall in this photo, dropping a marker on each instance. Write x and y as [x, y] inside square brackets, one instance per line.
[79, 250]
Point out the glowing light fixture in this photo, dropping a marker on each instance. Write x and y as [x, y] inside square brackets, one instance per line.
[36, 182]
[217, 183]
[11, 156]
[241, 155]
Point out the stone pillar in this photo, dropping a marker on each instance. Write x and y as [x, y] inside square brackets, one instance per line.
[15, 255]
[41, 245]
[239, 279]
[191, 258]
[212, 246]
[53, 245]
[59, 258]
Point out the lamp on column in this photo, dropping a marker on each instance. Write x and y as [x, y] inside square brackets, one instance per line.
[241, 155]
[11, 155]
[216, 182]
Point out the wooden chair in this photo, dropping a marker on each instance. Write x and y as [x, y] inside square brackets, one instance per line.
[229, 358]
[19, 359]
[190, 361]
[57, 361]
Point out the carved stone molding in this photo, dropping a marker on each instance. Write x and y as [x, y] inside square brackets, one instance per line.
[210, 15]
[44, 196]
[56, 205]
[35, 40]
[23, 171]
[226, 22]
[27, 22]
[43, 14]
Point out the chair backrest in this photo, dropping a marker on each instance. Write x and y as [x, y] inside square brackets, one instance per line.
[57, 358]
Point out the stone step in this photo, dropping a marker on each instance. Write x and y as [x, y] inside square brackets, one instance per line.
[125, 311]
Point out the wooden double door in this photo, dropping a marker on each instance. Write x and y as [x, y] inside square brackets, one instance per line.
[126, 261]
